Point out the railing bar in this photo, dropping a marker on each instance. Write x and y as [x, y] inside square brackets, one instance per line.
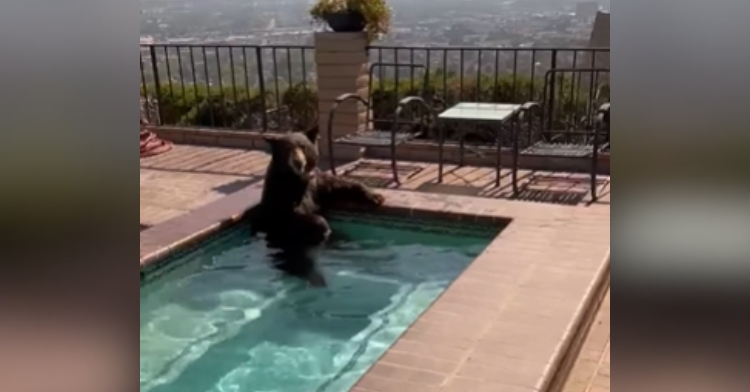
[276, 86]
[411, 61]
[249, 115]
[144, 91]
[234, 81]
[195, 77]
[303, 52]
[262, 86]
[496, 93]
[209, 95]
[461, 74]
[157, 85]
[169, 72]
[221, 84]
[479, 76]
[182, 71]
[533, 74]
[515, 77]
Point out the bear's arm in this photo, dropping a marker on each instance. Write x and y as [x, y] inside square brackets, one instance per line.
[309, 228]
[255, 217]
[331, 190]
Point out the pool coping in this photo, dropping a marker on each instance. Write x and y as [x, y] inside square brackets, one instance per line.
[554, 240]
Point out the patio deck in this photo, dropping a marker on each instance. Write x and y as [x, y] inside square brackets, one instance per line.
[189, 177]
[591, 372]
[551, 247]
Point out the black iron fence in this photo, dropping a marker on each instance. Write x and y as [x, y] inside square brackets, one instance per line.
[230, 87]
[273, 87]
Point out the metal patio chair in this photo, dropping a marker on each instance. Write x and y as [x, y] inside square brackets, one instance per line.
[375, 134]
[584, 132]
[603, 123]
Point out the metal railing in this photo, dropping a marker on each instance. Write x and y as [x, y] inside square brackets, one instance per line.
[498, 75]
[273, 87]
[229, 86]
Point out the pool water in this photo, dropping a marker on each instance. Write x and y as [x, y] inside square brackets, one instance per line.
[222, 320]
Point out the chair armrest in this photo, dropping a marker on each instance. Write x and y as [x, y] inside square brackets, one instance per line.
[601, 123]
[404, 103]
[410, 100]
[602, 118]
[528, 110]
[442, 105]
[348, 97]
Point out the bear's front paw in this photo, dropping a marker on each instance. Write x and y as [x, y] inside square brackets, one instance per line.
[375, 199]
[319, 238]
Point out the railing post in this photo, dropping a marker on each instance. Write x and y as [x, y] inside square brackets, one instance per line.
[262, 86]
[552, 92]
[157, 84]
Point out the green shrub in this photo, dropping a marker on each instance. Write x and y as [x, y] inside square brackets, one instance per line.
[199, 106]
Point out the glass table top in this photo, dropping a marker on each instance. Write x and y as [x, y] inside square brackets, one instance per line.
[480, 111]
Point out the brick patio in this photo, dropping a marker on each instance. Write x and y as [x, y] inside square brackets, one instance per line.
[192, 176]
[506, 324]
[592, 369]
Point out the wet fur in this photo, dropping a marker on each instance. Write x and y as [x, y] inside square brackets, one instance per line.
[296, 196]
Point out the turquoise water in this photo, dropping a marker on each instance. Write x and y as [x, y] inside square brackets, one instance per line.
[223, 320]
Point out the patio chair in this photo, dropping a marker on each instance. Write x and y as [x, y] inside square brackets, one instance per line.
[603, 122]
[375, 134]
[581, 137]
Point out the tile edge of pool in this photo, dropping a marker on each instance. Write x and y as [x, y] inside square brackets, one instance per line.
[190, 230]
[435, 223]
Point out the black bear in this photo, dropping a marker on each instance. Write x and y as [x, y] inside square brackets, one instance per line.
[296, 195]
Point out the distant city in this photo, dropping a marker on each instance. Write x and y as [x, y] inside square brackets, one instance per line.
[486, 23]
[264, 41]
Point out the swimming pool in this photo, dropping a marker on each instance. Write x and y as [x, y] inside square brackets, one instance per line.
[218, 318]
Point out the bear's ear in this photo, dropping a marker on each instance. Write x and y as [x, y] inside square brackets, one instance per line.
[313, 134]
[273, 141]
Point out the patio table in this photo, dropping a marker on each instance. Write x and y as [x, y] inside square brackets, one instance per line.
[500, 113]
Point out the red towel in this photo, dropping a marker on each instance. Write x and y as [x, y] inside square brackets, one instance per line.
[152, 145]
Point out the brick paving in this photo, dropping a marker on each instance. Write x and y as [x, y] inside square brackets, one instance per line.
[189, 177]
[591, 372]
[505, 324]
[535, 186]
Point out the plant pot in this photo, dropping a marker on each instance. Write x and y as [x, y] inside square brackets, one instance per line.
[346, 21]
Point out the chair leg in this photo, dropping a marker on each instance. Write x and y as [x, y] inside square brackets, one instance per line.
[594, 173]
[440, 153]
[498, 163]
[332, 161]
[516, 158]
[394, 166]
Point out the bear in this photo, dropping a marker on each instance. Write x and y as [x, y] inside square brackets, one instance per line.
[296, 196]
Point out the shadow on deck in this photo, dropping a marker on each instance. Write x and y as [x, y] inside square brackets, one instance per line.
[535, 186]
[189, 177]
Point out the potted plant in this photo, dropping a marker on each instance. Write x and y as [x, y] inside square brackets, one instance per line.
[345, 16]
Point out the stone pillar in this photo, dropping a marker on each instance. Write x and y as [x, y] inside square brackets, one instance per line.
[342, 67]
[600, 39]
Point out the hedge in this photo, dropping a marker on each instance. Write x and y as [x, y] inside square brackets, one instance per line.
[296, 107]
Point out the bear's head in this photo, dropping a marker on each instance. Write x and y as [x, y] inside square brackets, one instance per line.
[294, 154]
